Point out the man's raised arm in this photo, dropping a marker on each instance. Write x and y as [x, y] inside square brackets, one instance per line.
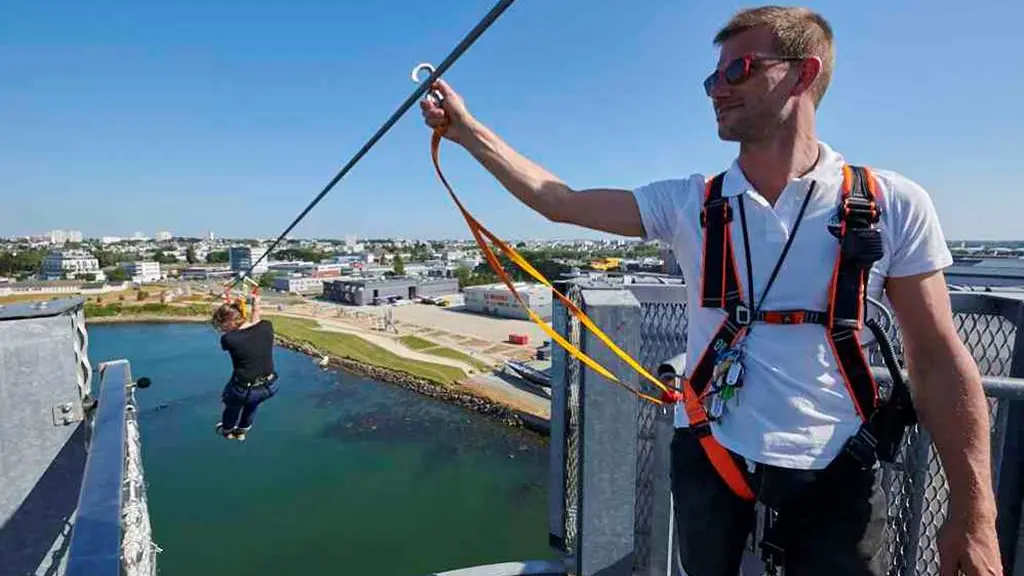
[607, 210]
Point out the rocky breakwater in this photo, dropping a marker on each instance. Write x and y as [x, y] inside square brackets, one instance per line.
[451, 394]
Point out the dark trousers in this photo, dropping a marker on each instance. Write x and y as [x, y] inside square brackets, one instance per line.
[240, 404]
[834, 524]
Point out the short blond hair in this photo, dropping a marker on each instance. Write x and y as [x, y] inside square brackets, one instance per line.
[798, 32]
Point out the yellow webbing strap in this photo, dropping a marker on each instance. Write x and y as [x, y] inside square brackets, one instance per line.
[479, 232]
[243, 305]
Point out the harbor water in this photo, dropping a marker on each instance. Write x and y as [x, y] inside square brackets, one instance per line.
[339, 475]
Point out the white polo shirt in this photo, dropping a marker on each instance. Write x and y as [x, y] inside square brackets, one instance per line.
[793, 409]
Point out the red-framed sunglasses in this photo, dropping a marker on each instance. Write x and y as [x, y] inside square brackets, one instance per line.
[739, 70]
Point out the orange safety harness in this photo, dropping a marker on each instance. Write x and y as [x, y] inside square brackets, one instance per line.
[858, 248]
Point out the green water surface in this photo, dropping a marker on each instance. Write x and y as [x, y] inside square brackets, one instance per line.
[340, 475]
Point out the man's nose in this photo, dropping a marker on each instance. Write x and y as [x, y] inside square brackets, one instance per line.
[720, 90]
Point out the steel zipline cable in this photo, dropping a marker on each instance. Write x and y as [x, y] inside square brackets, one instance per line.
[423, 87]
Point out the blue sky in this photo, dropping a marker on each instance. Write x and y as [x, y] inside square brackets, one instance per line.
[120, 116]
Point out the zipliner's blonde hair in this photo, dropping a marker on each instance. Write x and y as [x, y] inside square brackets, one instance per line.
[228, 316]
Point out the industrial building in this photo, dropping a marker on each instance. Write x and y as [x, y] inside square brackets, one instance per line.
[498, 300]
[369, 291]
[205, 273]
[309, 269]
[303, 285]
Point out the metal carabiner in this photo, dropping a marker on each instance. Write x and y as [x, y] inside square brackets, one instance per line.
[434, 95]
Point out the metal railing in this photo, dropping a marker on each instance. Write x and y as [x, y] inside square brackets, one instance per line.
[988, 323]
[111, 534]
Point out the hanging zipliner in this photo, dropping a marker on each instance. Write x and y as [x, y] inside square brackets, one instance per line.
[249, 339]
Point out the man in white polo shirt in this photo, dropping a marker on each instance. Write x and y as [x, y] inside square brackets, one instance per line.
[800, 394]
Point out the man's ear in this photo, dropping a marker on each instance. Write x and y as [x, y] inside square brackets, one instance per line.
[808, 71]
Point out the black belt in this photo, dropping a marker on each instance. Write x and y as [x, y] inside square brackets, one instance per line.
[255, 382]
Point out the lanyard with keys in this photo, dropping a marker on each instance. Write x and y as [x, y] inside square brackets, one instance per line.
[728, 372]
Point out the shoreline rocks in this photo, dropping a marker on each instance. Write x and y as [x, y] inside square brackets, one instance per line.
[448, 394]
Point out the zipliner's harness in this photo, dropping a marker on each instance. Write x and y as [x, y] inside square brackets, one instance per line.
[859, 247]
[258, 382]
[242, 302]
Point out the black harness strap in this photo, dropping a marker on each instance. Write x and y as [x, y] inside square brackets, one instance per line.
[719, 265]
[860, 246]
[721, 285]
[720, 288]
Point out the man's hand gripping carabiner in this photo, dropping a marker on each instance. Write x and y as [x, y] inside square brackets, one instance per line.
[434, 95]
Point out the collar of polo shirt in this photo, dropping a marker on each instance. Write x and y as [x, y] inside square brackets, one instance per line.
[828, 172]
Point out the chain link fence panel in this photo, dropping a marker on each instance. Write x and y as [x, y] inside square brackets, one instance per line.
[662, 335]
[574, 376]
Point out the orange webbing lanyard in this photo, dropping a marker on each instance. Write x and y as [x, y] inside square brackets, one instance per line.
[242, 305]
[479, 231]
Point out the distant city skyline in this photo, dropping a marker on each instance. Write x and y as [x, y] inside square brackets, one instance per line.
[343, 237]
[210, 235]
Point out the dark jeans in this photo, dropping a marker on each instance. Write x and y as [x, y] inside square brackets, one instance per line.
[240, 404]
[835, 524]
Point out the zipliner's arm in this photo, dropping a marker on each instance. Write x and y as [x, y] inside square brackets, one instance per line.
[254, 318]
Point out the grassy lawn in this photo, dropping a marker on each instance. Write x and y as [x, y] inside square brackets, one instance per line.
[428, 347]
[355, 348]
[93, 310]
[126, 296]
[416, 343]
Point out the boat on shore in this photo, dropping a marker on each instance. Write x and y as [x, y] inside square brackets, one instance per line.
[529, 373]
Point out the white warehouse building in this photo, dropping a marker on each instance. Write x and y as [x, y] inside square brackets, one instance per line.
[498, 300]
[300, 285]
